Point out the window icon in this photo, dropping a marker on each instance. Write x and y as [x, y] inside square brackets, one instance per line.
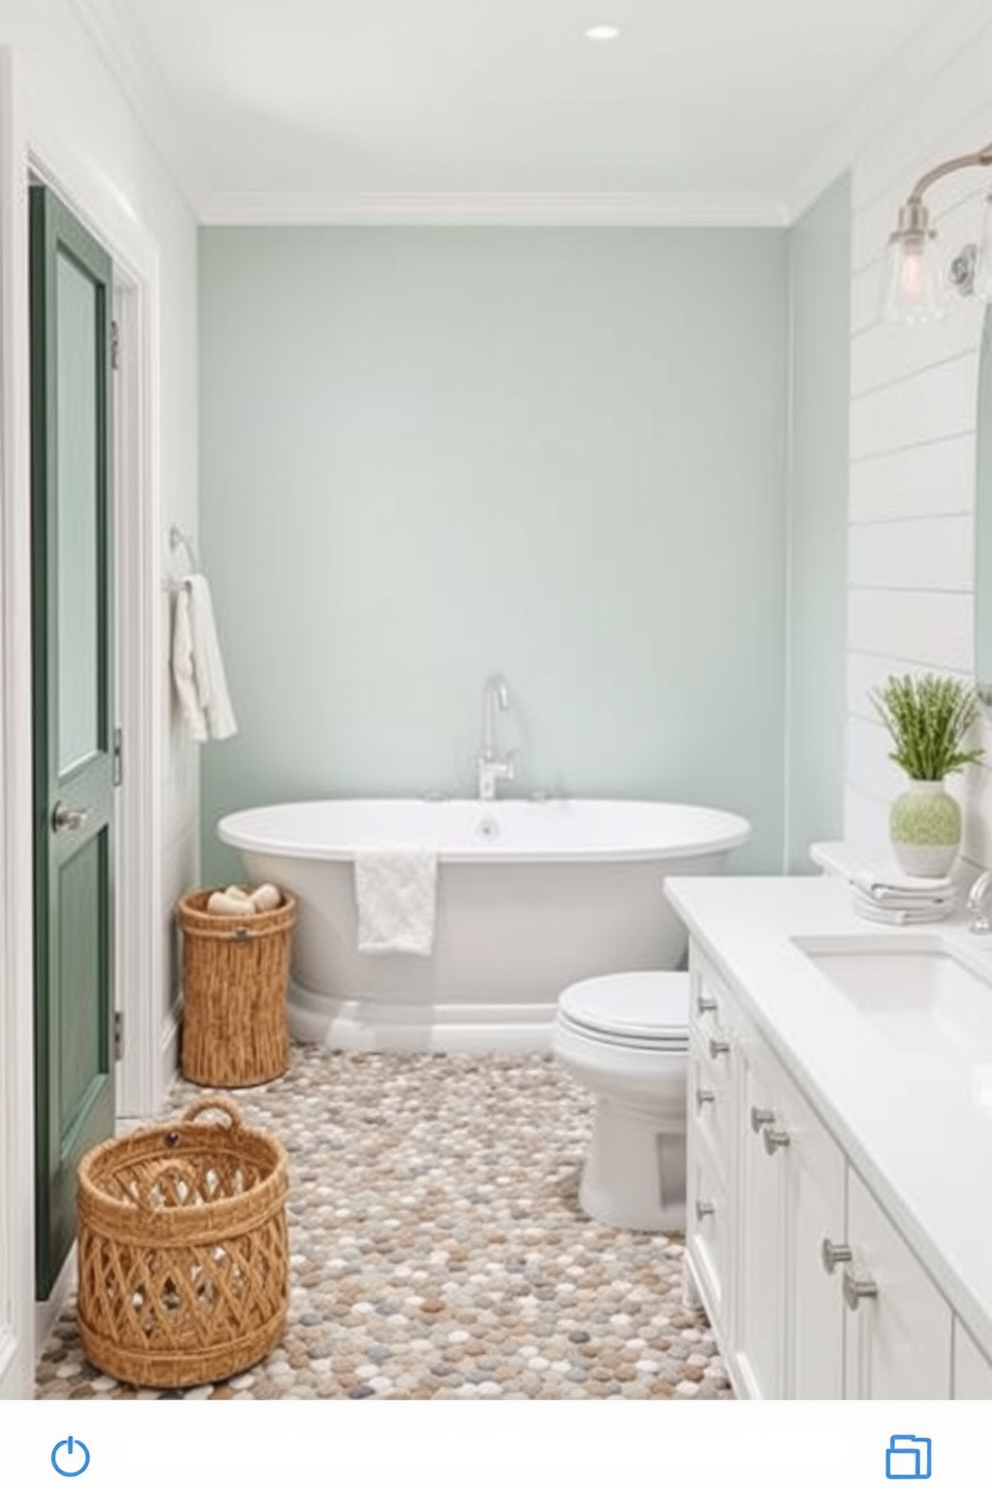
[908, 1457]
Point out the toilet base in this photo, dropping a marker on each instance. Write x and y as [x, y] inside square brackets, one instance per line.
[634, 1174]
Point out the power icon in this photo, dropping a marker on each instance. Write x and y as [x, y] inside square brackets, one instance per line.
[66, 1451]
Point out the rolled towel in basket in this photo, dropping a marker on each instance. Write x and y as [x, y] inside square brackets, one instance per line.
[265, 897]
[223, 902]
[395, 892]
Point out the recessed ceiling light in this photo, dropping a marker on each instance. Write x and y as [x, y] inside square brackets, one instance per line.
[602, 33]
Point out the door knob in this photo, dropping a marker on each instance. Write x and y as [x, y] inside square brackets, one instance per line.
[718, 1046]
[704, 1208]
[69, 818]
[705, 1004]
[761, 1116]
[704, 1097]
[774, 1139]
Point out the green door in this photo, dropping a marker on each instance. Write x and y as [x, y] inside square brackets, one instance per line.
[71, 300]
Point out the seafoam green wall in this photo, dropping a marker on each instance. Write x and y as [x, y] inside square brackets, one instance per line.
[819, 295]
[431, 453]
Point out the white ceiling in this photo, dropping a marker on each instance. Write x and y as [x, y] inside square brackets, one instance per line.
[306, 97]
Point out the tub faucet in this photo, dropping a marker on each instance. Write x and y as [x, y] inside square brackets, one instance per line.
[978, 907]
[491, 766]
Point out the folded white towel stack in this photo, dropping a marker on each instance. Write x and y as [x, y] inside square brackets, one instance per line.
[895, 898]
[396, 894]
[197, 667]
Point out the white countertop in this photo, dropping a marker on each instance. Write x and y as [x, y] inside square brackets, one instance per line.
[917, 1126]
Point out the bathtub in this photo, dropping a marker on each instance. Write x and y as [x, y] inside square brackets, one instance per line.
[532, 895]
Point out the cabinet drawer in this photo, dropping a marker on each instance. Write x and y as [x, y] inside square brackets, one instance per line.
[710, 1106]
[708, 999]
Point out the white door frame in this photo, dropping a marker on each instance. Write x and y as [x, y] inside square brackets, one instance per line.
[32, 147]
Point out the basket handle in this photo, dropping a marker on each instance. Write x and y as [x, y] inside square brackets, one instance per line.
[214, 1103]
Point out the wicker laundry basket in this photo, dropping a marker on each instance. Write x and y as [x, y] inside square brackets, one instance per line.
[235, 974]
[183, 1249]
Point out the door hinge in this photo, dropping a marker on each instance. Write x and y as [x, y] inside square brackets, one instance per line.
[118, 755]
[115, 345]
[118, 1037]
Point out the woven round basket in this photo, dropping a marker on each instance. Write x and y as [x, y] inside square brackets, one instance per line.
[235, 974]
[183, 1249]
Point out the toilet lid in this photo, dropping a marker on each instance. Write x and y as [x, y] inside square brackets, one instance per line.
[635, 1006]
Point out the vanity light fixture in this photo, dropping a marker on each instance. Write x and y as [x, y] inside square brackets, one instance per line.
[913, 287]
[602, 33]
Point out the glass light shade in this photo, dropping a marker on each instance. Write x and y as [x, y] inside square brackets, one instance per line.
[913, 287]
[983, 263]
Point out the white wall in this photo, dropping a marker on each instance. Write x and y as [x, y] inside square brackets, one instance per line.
[912, 444]
[59, 103]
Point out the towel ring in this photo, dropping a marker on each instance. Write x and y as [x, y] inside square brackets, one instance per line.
[180, 541]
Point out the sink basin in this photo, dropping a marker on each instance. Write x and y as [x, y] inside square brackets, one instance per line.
[922, 997]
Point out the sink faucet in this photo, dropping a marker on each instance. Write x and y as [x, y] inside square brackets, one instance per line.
[978, 906]
[491, 766]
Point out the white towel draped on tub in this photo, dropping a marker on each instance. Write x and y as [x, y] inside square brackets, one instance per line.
[197, 667]
[396, 894]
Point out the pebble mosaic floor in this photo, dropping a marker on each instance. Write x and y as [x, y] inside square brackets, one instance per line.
[438, 1251]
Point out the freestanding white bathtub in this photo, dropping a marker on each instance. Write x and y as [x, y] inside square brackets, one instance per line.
[532, 895]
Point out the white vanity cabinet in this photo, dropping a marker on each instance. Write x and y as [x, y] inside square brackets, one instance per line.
[812, 1291]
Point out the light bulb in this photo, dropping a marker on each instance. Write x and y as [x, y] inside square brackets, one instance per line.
[912, 278]
[913, 288]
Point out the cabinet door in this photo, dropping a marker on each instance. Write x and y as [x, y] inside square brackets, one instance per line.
[898, 1339]
[815, 1215]
[706, 1241]
[760, 1336]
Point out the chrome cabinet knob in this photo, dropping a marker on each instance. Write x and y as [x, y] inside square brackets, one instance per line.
[774, 1139]
[833, 1255]
[704, 1097]
[856, 1287]
[69, 818]
[705, 1004]
[761, 1116]
[718, 1046]
[705, 1208]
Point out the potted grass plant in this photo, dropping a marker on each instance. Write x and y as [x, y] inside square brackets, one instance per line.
[927, 718]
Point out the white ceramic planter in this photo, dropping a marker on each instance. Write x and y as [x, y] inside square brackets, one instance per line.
[925, 828]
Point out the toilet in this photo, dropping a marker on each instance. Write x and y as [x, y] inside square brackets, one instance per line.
[625, 1038]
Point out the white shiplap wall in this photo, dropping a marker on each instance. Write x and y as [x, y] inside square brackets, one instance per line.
[912, 438]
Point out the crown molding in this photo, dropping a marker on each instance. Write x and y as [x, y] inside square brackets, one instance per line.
[118, 42]
[892, 89]
[483, 208]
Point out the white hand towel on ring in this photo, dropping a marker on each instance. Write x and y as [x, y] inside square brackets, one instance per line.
[197, 666]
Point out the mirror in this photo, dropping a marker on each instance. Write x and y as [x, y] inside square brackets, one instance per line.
[983, 518]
